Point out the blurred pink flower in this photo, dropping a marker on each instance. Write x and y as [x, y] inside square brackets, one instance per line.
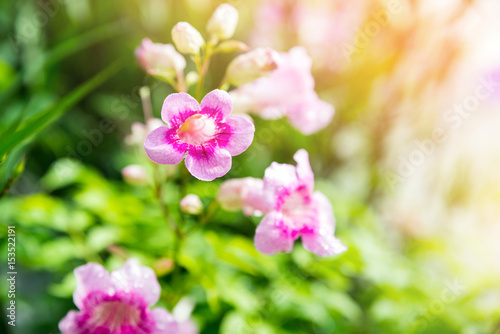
[135, 175]
[322, 27]
[207, 133]
[234, 195]
[191, 204]
[159, 59]
[117, 303]
[288, 91]
[295, 210]
[290, 206]
[141, 130]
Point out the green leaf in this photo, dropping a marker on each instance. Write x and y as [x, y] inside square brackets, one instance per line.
[38, 122]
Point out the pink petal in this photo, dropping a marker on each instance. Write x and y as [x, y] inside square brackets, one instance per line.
[245, 193]
[280, 180]
[164, 322]
[69, 324]
[187, 327]
[217, 104]
[324, 212]
[207, 162]
[310, 115]
[89, 277]
[304, 171]
[163, 148]
[272, 236]
[139, 279]
[322, 245]
[322, 241]
[236, 135]
[178, 107]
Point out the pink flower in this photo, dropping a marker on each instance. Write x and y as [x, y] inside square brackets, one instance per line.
[242, 194]
[288, 91]
[206, 133]
[292, 210]
[117, 303]
[160, 59]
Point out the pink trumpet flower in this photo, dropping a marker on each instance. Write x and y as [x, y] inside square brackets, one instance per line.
[206, 132]
[290, 207]
[287, 91]
[117, 302]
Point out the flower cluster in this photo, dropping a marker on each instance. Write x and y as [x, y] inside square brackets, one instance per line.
[202, 131]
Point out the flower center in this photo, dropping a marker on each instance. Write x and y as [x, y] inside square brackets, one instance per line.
[197, 130]
[298, 211]
[115, 314]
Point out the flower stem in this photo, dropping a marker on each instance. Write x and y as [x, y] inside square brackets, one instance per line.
[202, 65]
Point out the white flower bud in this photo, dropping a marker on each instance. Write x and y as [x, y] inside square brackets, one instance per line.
[251, 65]
[191, 204]
[135, 175]
[186, 38]
[159, 59]
[223, 22]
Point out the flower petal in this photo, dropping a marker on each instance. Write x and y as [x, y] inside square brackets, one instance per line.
[217, 104]
[322, 241]
[236, 135]
[139, 279]
[322, 245]
[69, 324]
[90, 277]
[164, 322]
[187, 327]
[208, 162]
[272, 235]
[245, 193]
[304, 171]
[280, 180]
[310, 115]
[163, 148]
[178, 107]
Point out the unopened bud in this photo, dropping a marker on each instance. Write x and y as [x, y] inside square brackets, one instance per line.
[251, 65]
[223, 22]
[135, 175]
[191, 204]
[159, 59]
[231, 45]
[186, 38]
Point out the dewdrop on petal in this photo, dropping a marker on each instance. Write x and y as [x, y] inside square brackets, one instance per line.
[223, 22]
[186, 38]
[135, 175]
[251, 65]
[191, 204]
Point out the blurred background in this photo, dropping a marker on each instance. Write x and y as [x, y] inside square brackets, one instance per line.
[409, 162]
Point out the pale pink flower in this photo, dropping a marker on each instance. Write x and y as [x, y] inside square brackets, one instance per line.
[288, 91]
[234, 195]
[207, 133]
[140, 131]
[135, 175]
[117, 303]
[251, 65]
[191, 204]
[291, 208]
[159, 59]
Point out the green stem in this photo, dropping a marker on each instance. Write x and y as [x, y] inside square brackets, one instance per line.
[171, 223]
[202, 65]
